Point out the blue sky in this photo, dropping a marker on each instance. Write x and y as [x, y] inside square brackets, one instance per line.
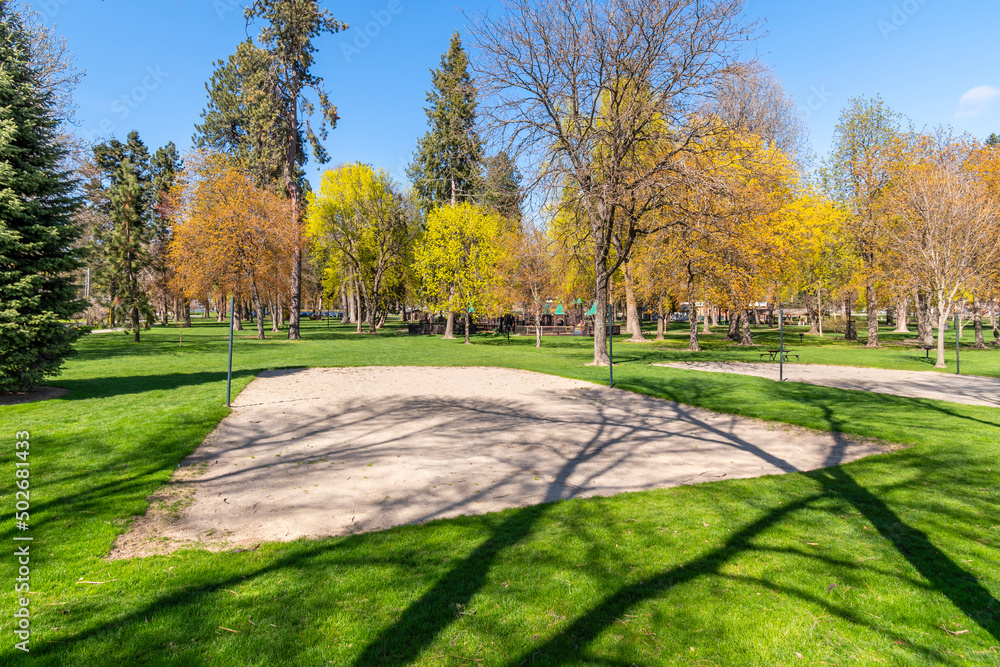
[147, 62]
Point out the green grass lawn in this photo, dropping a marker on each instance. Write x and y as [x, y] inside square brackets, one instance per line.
[891, 560]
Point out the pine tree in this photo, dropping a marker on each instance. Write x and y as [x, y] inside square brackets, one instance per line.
[241, 119]
[447, 165]
[105, 254]
[502, 188]
[37, 228]
[287, 41]
[993, 140]
[128, 245]
[165, 167]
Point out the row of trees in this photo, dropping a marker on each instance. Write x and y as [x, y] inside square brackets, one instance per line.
[671, 171]
[661, 166]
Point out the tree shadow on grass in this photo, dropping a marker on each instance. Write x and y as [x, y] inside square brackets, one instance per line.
[106, 387]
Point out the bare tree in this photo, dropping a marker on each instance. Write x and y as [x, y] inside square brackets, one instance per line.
[751, 100]
[603, 97]
[531, 274]
[949, 228]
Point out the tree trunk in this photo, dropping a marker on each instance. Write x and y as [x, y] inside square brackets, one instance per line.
[187, 312]
[601, 357]
[359, 307]
[468, 327]
[135, 322]
[538, 325]
[259, 308]
[872, 307]
[850, 329]
[706, 324]
[977, 314]
[659, 321]
[693, 344]
[295, 305]
[813, 322]
[449, 327]
[925, 330]
[942, 324]
[632, 322]
[734, 324]
[996, 324]
[746, 338]
[902, 315]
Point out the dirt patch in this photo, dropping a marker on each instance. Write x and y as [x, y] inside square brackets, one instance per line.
[326, 452]
[32, 395]
[966, 389]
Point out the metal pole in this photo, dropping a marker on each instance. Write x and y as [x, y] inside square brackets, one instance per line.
[611, 343]
[781, 346]
[232, 325]
[958, 362]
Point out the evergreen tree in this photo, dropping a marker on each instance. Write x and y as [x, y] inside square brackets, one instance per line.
[241, 119]
[108, 272]
[165, 167]
[447, 166]
[128, 245]
[993, 140]
[502, 188]
[37, 228]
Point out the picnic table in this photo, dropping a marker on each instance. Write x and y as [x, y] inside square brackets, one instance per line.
[773, 355]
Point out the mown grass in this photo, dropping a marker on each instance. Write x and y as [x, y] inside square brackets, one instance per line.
[889, 560]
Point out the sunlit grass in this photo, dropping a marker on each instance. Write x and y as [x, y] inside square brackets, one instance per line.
[889, 560]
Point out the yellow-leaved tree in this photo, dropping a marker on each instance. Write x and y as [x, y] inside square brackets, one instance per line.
[457, 259]
[230, 236]
[360, 220]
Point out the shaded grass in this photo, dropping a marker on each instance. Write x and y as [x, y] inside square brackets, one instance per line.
[876, 562]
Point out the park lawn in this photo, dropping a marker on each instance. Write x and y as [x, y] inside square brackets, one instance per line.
[889, 560]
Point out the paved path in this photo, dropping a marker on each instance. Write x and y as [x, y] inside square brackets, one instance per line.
[968, 389]
[337, 451]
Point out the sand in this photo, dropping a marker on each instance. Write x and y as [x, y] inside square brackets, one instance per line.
[325, 452]
[967, 389]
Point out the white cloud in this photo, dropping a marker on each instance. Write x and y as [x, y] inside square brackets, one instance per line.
[977, 100]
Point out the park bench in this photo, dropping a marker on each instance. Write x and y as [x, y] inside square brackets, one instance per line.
[773, 355]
